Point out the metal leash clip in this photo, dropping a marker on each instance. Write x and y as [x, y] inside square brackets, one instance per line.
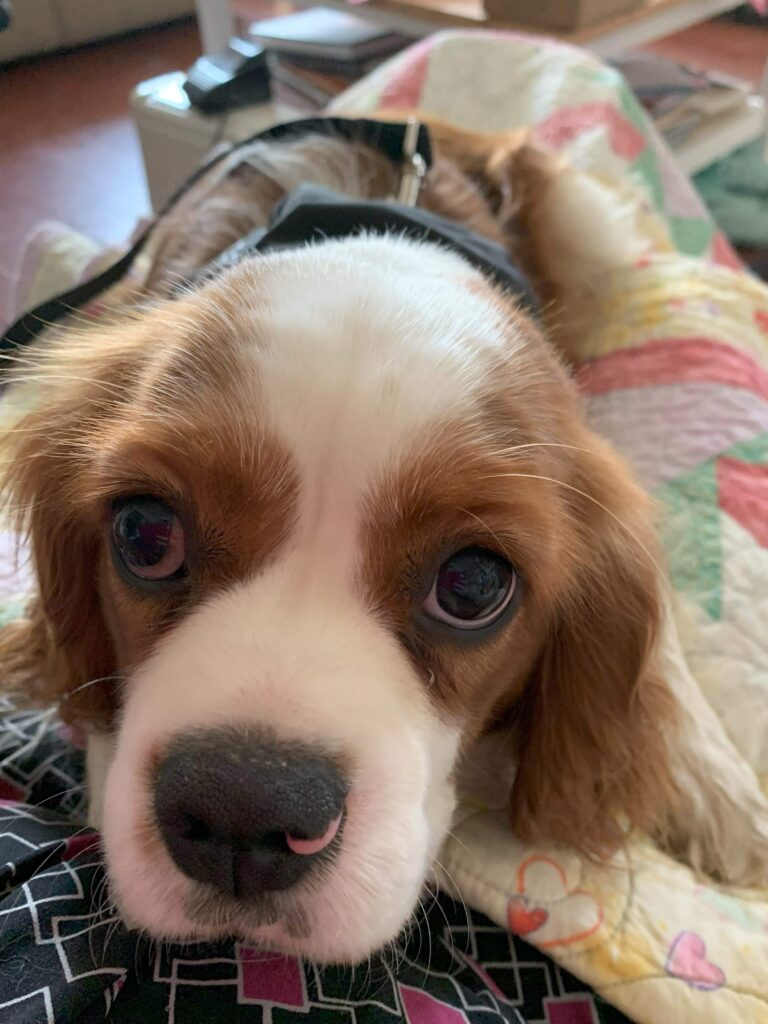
[414, 167]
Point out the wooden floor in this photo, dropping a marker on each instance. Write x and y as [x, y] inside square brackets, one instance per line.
[69, 150]
[735, 49]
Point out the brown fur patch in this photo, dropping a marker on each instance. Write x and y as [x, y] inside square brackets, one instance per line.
[573, 676]
[120, 416]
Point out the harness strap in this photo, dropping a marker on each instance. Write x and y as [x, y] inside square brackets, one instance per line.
[389, 138]
[312, 214]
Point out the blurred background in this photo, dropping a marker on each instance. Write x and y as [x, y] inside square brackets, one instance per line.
[99, 121]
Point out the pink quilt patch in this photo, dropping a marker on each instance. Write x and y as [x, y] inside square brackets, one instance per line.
[404, 90]
[673, 361]
[566, 124]
[722, 253]
[743, 494]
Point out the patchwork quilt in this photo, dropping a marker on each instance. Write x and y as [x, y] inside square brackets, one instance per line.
[675, 372]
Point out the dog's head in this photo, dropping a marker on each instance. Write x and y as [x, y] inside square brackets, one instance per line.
[303, 536]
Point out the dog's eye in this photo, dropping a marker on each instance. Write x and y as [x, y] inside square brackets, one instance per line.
[471, 589]
[148, 538]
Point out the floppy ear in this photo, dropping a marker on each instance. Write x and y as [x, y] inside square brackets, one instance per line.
[593, 724]
[568, 230]
[63, 643]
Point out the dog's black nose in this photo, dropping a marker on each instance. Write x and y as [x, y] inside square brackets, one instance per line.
[247, 816]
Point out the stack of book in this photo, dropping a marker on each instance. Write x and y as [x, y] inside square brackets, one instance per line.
[683, 100]
[316, 54]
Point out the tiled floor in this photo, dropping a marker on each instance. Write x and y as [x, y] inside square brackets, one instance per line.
[69, 150]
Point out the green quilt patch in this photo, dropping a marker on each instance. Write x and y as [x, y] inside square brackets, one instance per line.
[690, 530]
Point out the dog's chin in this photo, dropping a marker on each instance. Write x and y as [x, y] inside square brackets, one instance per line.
[331, 924]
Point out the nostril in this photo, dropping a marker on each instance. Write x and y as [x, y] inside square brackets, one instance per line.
[196, 830]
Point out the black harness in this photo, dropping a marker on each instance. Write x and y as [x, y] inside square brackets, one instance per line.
[311, 213]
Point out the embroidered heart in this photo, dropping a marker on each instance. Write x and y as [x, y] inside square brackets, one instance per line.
[687, 960]
[570, 915]
[523, 919]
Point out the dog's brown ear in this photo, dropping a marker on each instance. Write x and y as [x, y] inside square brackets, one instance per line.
[564, 227]
[594, 721]
[63, 643]
[46, 657]
[60, 653]
[568, 230]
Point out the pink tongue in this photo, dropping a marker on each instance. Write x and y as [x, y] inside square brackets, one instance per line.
[306, 847]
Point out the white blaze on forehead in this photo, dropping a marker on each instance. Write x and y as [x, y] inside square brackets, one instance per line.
[369, 341]
[362, 347]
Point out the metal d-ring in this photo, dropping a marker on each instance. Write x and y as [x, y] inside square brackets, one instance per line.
[414, 167]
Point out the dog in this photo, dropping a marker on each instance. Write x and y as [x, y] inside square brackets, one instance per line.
[323, 538]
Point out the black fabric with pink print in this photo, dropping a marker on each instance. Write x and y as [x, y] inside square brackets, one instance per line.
[66, 959]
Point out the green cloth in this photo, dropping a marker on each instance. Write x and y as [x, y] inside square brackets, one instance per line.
[736, 191]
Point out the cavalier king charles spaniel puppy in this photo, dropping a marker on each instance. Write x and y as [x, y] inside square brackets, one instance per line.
[325, 537]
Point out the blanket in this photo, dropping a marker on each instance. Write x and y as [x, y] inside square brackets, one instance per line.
[675, 372]
[66, 959]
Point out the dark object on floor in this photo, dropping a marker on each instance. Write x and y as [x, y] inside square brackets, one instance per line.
[756, 260]
[745, 15]
[314, 55]
[236, 77]
[6, 13]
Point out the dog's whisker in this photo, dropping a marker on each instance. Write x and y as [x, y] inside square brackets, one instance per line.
[456, 839]
[79, 788]
[459, 895]
[576, 490]
[491, 532]
[513, 449]
[116, 678]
